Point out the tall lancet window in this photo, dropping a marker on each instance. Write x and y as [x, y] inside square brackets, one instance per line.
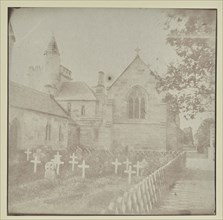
[48, 132]
[131, 108]
[142, 108]
[137, 103]
[136, 107]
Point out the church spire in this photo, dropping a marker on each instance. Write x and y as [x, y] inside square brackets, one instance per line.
[52, 47]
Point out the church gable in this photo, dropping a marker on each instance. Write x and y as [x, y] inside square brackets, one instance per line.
[134, 95]
[137, 72]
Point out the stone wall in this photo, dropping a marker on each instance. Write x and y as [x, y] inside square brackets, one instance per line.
[90, 108]
[140, 135]
[32, 129]
[148, 132]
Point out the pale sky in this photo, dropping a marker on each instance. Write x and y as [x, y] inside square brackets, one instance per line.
[90, 40]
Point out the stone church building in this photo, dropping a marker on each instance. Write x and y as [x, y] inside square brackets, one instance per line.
[127, 113]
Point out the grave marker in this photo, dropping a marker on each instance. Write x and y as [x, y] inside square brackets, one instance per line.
[116, 164]
[35, 162]
[127, 163]
[83, 166]
[130, 172]
[50, 171]
[38, 154]
[57, 156]
[137, 166]
[27, 152]
[73, 161]
[58, 162]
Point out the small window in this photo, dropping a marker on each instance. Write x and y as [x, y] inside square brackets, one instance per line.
[48, 131]
[82, 110]
[60, 133]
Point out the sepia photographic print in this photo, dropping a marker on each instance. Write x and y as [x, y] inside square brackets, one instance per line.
[111, 111]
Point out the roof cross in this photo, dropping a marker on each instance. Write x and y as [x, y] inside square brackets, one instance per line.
[137, 50]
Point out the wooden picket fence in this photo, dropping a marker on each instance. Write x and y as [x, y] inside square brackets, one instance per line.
[144, 196]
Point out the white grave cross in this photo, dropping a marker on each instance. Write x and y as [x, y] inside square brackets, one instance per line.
[116, 164]
[58, 162]
[27, 152]
[137, 166]
[83, 166]
[35, 162]
[73, 161]
[130, 172]
[127, 163]
[57, 156]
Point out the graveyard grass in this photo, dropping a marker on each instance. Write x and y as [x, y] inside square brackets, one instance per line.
[69, 193]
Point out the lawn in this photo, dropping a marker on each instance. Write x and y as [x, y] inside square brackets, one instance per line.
[71, 194]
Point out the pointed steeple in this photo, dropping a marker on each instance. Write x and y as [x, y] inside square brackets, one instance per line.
[52, 47]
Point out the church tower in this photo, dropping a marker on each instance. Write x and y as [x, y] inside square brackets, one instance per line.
[52, 67]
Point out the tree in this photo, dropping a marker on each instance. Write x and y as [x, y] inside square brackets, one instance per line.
[189, 83]
[202, 135]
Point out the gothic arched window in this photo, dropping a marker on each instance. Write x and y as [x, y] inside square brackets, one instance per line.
[137, 103]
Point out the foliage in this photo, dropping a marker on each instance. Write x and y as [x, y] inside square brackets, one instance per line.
[190, 79]
[202, 135]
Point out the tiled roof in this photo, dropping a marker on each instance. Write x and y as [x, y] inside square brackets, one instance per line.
[75, 91]
[27, 98]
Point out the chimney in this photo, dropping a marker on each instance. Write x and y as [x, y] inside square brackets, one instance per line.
[101, 78]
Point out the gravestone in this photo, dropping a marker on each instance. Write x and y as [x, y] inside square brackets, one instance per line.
[50, 171]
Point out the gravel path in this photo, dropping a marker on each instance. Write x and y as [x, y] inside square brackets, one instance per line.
[194, 192]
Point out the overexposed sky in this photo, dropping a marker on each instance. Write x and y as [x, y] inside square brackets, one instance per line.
[90, 40]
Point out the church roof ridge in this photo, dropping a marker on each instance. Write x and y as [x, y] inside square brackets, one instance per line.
[76, 90]
[22, 96]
